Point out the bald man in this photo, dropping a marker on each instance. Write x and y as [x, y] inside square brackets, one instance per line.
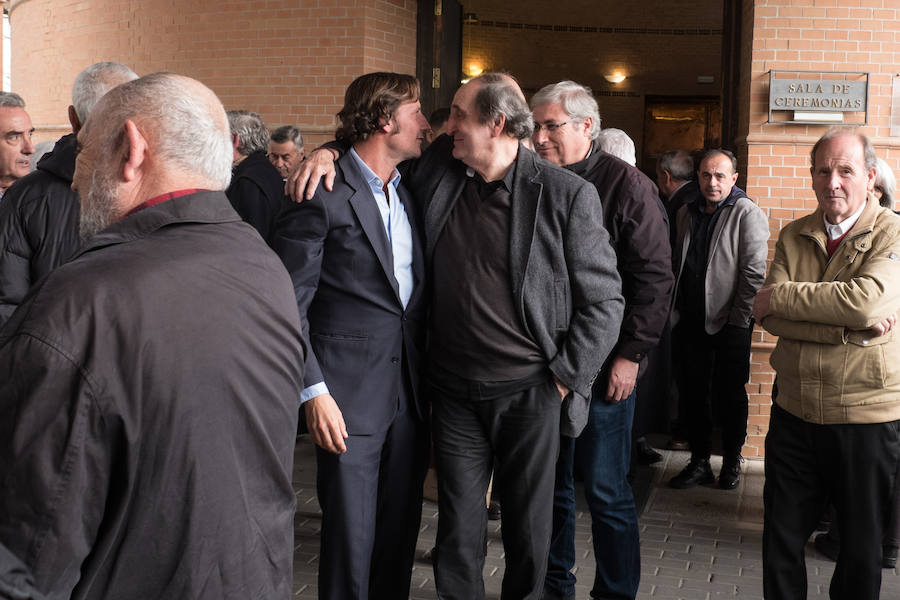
[160, 425]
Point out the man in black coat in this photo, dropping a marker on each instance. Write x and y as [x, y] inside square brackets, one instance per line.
[148, 397]
[567, 123]
[356, 259]
[257, 189]
[39, 213]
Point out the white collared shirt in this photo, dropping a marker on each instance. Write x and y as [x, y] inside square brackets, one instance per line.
[835, 231]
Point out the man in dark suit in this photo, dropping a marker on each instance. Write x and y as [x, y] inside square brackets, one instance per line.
[356, 261]
[526, 306]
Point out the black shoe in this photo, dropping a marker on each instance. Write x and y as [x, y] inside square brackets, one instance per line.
[888, 557]
[696, 472]
[730, 475]
[678, 444]
[827, 546]
[494, 511]
[645, 453]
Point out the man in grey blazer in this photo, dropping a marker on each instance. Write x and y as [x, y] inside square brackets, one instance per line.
[355, 258]
[526, 306]
[720, 263]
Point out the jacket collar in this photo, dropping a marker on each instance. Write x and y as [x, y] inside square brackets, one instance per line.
[814, 226]
[202, 207]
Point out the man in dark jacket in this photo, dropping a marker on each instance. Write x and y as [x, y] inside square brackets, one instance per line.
[566, 125]
[148, 402]
[355, 257]
[39, 213]
[256, 189]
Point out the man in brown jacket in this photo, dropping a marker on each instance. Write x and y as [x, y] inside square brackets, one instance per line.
[831, 297]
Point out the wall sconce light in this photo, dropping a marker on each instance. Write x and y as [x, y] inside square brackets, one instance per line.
[615, 77]
[470, 19]
[473, 70]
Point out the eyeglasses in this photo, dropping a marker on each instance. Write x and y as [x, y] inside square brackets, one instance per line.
[550, 127]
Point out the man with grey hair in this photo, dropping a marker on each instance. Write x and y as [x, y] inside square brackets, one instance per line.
[286, 149]
[566, 128]
[15, 132]
[256, 189]
[526, 305]
[148, 407]
[674, 176]
[39, 214]
[831, 297]
[618, 143]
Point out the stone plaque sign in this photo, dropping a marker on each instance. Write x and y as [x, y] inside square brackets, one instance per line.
[809, 93]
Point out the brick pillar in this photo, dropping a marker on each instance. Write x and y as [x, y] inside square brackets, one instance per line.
[289, 61]
[804, 36]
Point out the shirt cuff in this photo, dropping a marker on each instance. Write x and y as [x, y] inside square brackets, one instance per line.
[317, 389]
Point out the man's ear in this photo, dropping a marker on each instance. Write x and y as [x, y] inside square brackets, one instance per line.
[235, 141]
[498, 126]
[74, 121]
[136, 155]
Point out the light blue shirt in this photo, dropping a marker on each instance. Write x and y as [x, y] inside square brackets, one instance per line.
[399, 234]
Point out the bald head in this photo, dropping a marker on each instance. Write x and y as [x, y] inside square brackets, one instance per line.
[182, 119]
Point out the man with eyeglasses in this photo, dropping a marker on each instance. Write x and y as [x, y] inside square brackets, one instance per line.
[15, 140]
[566, 126]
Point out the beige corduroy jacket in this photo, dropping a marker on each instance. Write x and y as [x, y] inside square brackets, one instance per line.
[829, 369]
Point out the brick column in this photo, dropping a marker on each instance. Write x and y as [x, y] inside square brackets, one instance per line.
[289, 61]
[804, 35]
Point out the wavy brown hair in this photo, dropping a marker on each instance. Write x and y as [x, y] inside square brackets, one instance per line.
[370, 102]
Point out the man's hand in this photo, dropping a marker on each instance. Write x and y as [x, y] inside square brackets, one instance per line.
[326, 423]
[561, 388]
[884, 326]
[622, 377]
[302, 183]
[762, 303]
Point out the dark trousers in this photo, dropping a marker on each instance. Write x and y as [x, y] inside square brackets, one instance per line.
[603, 452]
[806, 463]
[371, 499]
[716, 368]
[475, 424]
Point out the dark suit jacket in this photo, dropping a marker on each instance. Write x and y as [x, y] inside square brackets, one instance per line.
[257, 192]
[562, 266]
[365, 345]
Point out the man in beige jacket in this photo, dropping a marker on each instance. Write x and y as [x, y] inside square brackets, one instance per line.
[831, 296]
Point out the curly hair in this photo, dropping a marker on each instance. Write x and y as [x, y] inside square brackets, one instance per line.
[370, 102]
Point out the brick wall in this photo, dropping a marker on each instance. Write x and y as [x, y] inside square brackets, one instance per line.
[661, 45]
[289, 61]
[817, 36]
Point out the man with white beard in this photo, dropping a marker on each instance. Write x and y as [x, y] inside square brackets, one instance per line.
[148, 396]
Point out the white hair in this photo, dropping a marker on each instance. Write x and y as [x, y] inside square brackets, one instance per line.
[92, 83]
[576, 99]
[616, 142]
[251, 131]
[190, 129]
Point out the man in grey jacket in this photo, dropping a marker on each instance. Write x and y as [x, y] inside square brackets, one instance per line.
[720, 262]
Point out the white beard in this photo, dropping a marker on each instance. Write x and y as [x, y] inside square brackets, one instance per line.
[98, 208]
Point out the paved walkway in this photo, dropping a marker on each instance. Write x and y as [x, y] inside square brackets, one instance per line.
[702, 543]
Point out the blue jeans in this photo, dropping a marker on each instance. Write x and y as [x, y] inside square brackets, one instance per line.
[603, 455]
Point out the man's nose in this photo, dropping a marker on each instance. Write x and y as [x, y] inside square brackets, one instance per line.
[28, 146]
[540, 136]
